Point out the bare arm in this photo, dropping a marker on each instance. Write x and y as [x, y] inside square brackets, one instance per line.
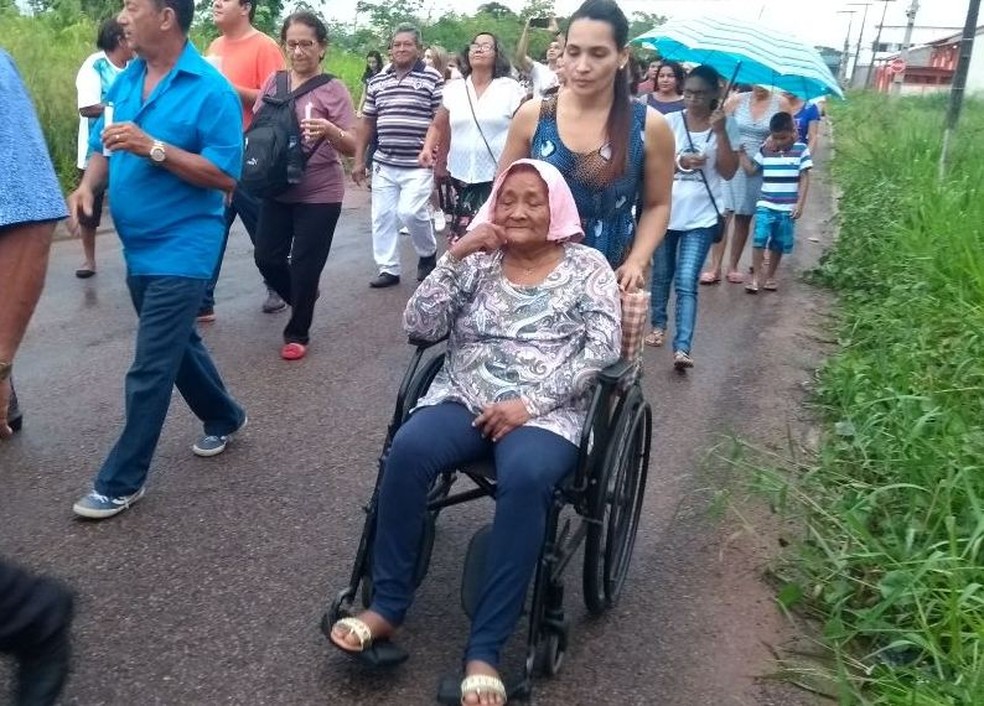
[804, 189]
[520, 135]
[658, 179]
[813, 136]
[438, 131]
[524, 62]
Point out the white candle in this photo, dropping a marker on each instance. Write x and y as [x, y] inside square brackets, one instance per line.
[107, 121]
[307, 111]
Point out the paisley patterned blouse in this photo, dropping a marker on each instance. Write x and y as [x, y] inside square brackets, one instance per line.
[542, 344]
[605, 204]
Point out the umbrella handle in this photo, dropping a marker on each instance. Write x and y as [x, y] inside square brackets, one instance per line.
[731, 82]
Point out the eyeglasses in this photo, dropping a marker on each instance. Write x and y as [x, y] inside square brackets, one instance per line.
[302, 44]
[481, 48]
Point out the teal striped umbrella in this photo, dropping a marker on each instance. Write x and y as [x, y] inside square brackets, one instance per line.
[746, 51]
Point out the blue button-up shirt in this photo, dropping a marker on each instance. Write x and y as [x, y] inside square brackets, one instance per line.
[168, 226]
[29, 191]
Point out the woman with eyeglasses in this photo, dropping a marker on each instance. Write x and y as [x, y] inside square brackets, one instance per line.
[604, 143]
[706, 156]
[474, 121]
[296, 227]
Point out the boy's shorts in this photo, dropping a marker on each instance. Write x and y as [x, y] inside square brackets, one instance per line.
[774, 230]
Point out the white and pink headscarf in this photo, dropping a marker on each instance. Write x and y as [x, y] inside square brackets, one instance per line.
[565, 223]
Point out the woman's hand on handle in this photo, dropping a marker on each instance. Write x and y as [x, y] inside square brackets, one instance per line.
[631, 276]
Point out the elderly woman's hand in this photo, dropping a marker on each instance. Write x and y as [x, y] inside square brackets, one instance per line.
[498, 419]
[484, 238]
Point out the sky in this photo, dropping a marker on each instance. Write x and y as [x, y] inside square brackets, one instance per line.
[816, 22]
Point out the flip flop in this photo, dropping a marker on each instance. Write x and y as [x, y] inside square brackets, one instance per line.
[371, 652]
[770, 285]
[293, 351]
[479, 684]
[709, 278]
[752, 288]
[655, 338]
[84, 273]
[736, 277]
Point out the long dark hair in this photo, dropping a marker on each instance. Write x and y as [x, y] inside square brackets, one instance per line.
[500, 68]
[677, 70]
[619, 125]
[369, 73]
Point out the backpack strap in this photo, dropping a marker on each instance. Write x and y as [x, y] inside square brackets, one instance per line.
[309, 85]
[282, 84]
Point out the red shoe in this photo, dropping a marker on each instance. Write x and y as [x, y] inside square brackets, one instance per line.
[293, 351]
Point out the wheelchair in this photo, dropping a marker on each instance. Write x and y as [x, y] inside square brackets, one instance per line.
[606, 493]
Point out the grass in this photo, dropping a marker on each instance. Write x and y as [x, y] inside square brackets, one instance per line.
[48, 52]
[892, 555]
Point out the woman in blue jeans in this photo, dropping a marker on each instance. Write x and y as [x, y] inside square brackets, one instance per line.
[705, 158]
[531, 317]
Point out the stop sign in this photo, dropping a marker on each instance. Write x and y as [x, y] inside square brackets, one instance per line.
[897, 65]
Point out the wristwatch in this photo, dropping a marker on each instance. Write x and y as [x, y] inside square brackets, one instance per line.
[5, 369]
[157, 152]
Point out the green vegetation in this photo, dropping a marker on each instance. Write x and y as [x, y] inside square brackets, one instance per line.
[892, 560]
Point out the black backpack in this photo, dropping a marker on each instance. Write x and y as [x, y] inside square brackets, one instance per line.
[273, 153]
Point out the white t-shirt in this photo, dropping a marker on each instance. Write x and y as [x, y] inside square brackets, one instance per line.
[468, 157]
[93, 80]
[691, 207]
[543, 78]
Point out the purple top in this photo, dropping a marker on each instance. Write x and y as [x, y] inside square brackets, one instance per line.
[542, 344]
[324, 180]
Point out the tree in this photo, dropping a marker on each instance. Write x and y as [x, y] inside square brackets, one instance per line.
[497, 10]
[642, 22]
[537, 8]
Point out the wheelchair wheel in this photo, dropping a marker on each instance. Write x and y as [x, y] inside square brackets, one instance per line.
[615, 502]
[550, 653]
[420, 383]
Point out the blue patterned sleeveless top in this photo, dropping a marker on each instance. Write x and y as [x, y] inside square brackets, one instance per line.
[605, 205]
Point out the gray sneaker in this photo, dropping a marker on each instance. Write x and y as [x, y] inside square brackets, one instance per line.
[273, 303]
[97, 506]
[211, 445]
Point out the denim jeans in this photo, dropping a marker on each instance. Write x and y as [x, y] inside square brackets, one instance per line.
[400, 196]
[169, 352]
[529, 462]
[679, 256]
[247, 207]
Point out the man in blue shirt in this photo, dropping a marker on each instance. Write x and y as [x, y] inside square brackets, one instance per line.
[176, 150]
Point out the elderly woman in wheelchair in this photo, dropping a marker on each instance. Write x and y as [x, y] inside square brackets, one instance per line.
[531, 318]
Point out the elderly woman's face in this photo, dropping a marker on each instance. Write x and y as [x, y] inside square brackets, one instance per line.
[523, 207]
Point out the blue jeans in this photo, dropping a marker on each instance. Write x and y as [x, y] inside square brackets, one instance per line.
[247, 207]
[680, 255]
[169, 352]
[529, 463]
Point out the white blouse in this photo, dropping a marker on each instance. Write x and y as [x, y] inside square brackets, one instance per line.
[468, 157]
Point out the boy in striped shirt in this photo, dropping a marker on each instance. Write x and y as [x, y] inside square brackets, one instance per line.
[785, 165]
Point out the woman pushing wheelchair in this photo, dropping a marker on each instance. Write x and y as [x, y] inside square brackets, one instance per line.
[531, 318]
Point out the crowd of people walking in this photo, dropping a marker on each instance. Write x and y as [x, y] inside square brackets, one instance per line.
[524, 154]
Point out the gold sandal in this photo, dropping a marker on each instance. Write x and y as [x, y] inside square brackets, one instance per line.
[355, 627]
[655, 338]
[483, 683]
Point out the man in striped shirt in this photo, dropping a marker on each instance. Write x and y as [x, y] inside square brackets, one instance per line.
[785, 164]
[400, 105]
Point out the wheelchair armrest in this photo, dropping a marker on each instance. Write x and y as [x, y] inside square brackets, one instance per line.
[424, 345]
[615, 372]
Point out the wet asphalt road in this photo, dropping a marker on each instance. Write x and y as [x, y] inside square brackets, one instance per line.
[209, 591]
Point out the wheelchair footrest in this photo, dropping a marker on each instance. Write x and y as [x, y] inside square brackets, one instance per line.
[380, 655]
[473, 573]
[449, 690]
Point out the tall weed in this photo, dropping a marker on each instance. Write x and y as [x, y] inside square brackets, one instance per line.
[892, 558]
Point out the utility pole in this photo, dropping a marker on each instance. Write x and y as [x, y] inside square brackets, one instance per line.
[875, 45]
[846, 54]
[857, 51]
[959, 81]
[906, 43]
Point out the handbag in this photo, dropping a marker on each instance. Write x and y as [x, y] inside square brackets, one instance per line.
[721, 223]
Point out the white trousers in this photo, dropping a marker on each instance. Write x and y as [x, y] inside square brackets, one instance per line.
[400, 197]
